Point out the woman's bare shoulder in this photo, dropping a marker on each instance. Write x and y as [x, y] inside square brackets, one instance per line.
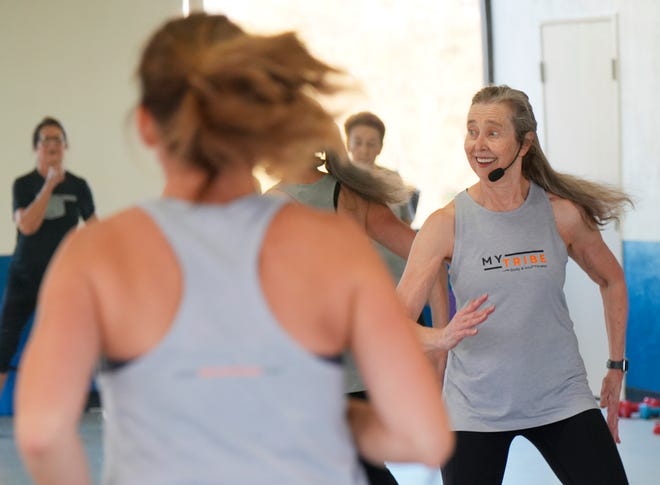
[307, 225]
[94, 243]
[566, 213]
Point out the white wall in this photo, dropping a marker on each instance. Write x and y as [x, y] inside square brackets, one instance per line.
[75, 60]
[517, 53]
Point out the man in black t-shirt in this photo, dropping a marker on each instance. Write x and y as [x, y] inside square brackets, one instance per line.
[47, 202]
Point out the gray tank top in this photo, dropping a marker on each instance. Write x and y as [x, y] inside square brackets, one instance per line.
[227, 396]
[523, 369]
[318, 194]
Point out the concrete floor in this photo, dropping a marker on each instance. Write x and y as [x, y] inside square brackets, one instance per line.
[640, 451]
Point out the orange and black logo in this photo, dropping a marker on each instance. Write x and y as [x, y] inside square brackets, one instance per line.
[518, 261]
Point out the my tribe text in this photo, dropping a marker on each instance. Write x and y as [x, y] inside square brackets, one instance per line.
[513, 260]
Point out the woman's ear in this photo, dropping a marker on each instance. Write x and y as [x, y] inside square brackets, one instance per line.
[146, 126]
[528, 141]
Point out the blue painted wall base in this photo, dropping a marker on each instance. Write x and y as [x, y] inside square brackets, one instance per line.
[642, 269]
[7, 394]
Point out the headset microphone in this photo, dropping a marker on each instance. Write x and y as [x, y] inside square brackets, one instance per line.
[498, 173]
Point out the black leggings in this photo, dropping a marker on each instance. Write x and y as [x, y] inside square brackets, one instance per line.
[580, 450]
[19, 302]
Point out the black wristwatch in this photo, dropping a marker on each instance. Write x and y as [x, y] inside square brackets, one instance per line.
[621, 365]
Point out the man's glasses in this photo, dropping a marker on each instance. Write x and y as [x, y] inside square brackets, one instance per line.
[52, 140]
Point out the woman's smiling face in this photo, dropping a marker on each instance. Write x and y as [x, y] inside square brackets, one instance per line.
[490, 141]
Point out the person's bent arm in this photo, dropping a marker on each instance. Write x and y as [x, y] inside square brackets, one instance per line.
[56, 372]
[385, 227]
[378, 220]
[439, 298]
[29, 219]
[426, 271]
[587, 248]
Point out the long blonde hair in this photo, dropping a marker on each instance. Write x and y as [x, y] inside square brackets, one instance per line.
[375, 184]
[222, 97]
[598, 203]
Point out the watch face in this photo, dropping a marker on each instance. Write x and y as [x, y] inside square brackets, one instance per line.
[618, 364]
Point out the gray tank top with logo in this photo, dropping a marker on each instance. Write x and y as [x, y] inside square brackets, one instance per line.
[523, 369]
[227, 396]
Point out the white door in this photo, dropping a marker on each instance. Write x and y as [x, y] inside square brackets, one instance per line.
[581, 106]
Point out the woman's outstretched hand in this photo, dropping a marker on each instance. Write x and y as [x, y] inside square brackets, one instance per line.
[465, 322]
